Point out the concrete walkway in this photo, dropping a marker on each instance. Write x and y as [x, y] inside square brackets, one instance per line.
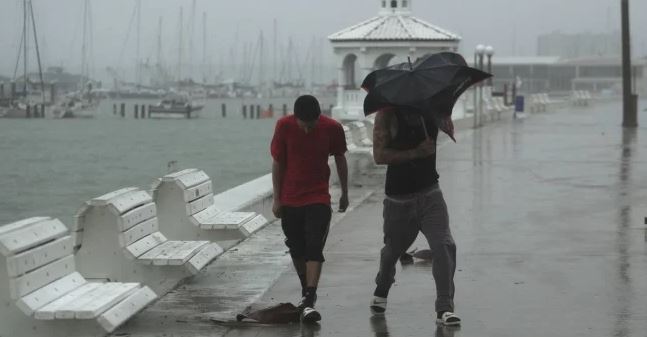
[549, 217]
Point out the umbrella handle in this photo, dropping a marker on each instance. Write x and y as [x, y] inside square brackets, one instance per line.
[424, 127]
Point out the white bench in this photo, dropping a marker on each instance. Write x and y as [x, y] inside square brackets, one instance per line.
[44, 295]
[352, 147]
[122, 241]
[187, 211]
[489, 109]
[537, 103]
[500, 103]
[581, 98]
[362, 133]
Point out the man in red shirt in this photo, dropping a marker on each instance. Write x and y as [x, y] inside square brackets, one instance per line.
[301, 146]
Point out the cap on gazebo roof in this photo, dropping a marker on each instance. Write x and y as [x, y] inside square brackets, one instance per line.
[394, 24]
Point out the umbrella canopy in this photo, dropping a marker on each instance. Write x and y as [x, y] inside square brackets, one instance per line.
[435, 81]
[430, 86]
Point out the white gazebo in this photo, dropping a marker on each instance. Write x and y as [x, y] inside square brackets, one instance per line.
[388, 38]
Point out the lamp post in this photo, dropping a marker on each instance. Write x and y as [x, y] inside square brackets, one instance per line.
[478, 90]
[629, 115]
[489, 51]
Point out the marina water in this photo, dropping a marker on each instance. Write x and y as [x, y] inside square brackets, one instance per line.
[50, 167]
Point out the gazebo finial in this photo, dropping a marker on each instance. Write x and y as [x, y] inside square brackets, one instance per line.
[395, 7]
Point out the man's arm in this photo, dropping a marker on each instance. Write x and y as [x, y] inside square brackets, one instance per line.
[383, 155]
[277, 177]
[342, 172]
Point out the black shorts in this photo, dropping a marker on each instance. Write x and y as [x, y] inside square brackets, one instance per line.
[306, 230]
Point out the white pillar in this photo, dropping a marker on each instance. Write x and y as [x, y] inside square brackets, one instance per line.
[365, 65]
[341, 79]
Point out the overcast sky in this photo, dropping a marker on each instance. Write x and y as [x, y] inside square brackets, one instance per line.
[511, 26]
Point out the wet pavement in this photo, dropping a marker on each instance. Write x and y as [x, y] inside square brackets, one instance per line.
[548, 214]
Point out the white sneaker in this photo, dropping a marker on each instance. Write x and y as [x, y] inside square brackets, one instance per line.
[378, 305]
[310, 315]
[449, 319]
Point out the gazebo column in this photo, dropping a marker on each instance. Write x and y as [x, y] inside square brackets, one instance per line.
[413, 54]
[341, 82]
[365, 66]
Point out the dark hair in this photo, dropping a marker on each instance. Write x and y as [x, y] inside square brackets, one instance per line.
[306, 108]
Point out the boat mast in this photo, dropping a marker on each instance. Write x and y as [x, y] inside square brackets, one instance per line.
[138, 70]
[84, 65]
[40, 68]
[179, 58]
[159, 42]
[191, 35]
[204, 47]
[275, 33]
[261, 60]
[24, 34]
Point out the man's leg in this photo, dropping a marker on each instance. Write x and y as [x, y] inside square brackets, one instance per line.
[313, 272]
[435, 227]
[292, 223]
[317, 224]
[400, 231]
[300, 267]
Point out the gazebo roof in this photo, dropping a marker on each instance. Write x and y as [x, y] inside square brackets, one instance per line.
[394, 28]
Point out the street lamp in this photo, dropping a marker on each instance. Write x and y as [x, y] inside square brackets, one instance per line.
[479, 52]
[630, 111]
[489, 51]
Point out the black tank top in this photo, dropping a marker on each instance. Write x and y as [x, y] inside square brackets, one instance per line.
[415, 175]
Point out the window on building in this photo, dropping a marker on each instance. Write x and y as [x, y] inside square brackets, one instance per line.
[394, 4]
[404, 3]
[384, 4]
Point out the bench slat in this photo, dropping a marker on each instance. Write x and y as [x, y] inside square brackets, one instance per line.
[136, 216]
[202, 217]
[173, 176]
[254, 225]
[134, 234]
[106, 300]
[105, 199]
[203, 257]
[227, 220]
[192, 179]
[45, 295]
[151, 256]
[39, 256]
[180, 255]
[198, 205]
[20, 224]
[130, 200]
[144, 245]
[120, 313]
[199, 191]
[31, 236]
[48, 312]
[29, 282]
[70, 309]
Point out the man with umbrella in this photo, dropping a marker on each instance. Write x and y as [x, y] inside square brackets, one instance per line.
[413, 102]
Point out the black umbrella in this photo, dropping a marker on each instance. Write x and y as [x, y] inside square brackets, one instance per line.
[431, 85]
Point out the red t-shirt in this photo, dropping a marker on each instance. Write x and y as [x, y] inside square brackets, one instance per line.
[305, 155]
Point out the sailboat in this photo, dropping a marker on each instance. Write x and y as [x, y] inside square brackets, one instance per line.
[26, 107]
[83, 103]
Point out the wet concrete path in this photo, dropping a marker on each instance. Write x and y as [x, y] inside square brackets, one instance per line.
[549, 217]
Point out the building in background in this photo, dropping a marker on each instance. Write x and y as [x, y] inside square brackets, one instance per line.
[553, 74]
[569, 46]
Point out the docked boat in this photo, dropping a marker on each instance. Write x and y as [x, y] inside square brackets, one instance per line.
[176, 107]
[74, 107]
